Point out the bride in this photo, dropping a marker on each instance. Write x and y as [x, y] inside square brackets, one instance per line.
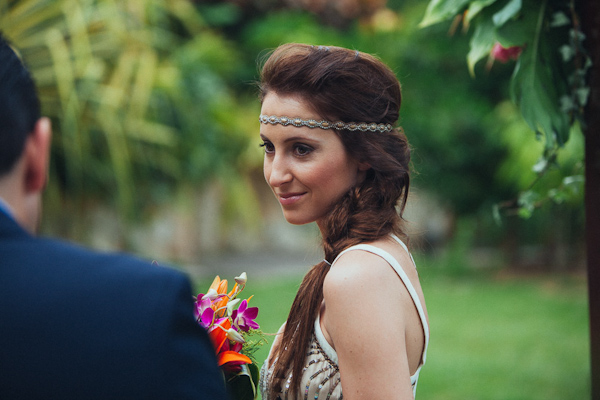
[358, 323]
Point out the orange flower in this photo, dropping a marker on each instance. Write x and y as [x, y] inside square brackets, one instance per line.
[233, 358]
[218, 336]
[219, 339]
[221, 287]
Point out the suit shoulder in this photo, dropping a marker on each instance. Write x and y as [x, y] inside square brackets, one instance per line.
[98, 265]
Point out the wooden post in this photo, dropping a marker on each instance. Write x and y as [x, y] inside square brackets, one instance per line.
[590, 20]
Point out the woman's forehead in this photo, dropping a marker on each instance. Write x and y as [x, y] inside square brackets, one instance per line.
[287, 105]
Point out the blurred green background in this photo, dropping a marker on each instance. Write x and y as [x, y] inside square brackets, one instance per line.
[155, 152]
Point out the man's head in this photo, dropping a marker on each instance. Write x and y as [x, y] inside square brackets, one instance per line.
[19, 106]
[24, 140]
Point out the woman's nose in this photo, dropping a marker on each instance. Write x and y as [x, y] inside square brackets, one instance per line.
[280, 172]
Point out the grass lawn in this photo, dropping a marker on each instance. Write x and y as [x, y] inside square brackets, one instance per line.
[491, 338]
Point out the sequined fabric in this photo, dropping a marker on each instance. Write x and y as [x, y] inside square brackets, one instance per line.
[320, 378]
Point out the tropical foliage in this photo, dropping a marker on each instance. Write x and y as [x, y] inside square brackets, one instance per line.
[138, 95]
[548, 81]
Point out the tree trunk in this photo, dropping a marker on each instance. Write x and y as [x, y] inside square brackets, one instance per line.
[590, 15]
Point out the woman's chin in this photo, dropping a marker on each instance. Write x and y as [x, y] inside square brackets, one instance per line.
[297, 220]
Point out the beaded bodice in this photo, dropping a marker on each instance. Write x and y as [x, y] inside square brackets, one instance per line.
[320, 381]
[321, 375]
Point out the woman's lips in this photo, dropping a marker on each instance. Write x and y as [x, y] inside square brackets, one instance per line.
[287, 199]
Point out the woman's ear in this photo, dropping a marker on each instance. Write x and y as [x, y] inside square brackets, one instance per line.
[364, 166]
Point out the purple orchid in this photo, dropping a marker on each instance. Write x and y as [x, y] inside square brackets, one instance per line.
[244, 317]
[203, 312]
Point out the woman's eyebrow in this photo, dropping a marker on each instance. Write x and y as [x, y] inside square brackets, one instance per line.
[293, 139]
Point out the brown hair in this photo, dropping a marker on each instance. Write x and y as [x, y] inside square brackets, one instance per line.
[351, 86]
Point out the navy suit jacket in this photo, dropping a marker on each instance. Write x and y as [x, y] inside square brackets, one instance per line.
[75, 324]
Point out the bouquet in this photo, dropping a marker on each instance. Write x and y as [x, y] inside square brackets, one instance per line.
[231, 325]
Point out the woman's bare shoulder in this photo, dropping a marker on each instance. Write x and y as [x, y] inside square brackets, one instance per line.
[357, 270]
[362, 285]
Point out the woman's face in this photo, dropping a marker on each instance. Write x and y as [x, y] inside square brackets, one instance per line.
[307, 169]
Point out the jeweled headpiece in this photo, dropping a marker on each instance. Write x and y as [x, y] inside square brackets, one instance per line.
[339, 125]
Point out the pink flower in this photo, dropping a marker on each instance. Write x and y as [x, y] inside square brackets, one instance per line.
[203, 312]
[244, 317]
[504, 54]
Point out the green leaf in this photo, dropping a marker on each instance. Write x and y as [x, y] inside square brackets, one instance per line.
[525, 213]
[509, 11]
[574, 183]
[519, 31]
[567, 52]
[254, 373]
[534, 87]
[559, 19]
[441, 10]
[567, 104]
[558, 196]
[582, 95]
[527, 203]
[540, 166]
[482, 42]
[241, 386]
[476, 6]
[570, 188]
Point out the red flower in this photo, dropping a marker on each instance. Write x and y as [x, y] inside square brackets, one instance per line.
[504, 54]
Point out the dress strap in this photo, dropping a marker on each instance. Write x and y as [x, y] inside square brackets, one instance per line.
[407, 283]
[320, 337]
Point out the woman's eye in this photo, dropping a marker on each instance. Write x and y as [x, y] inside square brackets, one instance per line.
[269, 148]
[302, 149]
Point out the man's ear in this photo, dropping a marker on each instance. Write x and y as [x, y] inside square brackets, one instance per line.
[37, 156]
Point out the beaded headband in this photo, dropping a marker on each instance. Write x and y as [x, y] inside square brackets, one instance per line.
[339, 125]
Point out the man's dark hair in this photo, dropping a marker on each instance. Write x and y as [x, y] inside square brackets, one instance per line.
[19, 106]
